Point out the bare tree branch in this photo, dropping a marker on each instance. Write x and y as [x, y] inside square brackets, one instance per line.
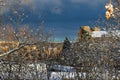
[11, 51]
[16, 49]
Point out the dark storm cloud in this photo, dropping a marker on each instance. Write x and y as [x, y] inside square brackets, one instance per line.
[65, 16]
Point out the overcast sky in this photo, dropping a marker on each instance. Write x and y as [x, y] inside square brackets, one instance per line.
[64, 16]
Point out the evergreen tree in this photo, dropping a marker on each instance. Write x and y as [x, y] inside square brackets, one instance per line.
[66, 44]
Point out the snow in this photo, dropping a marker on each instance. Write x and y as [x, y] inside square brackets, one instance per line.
[115, 33]
[106, 33]
[98, 33]
[28, 71]
[63, 75]
[63, 68]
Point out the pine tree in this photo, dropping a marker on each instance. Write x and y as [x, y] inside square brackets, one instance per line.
[66, 44]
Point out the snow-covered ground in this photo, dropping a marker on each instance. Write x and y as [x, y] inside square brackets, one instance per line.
[73, 75]
[62, 68]
[65, 75]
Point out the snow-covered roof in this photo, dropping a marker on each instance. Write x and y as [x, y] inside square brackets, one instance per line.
[98, 33]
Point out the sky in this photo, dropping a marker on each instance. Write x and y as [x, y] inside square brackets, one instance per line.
[64, 17]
